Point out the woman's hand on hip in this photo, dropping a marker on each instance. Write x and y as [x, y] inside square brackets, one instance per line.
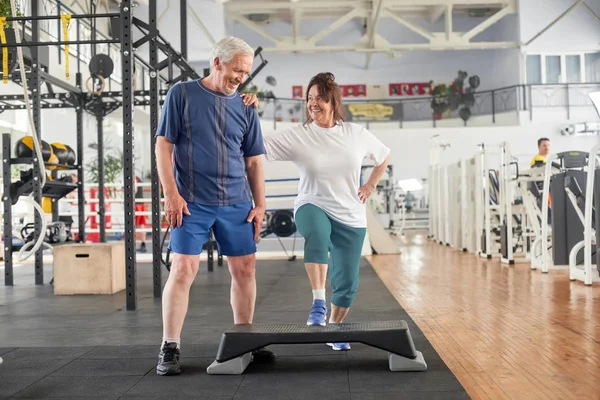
[365, 191]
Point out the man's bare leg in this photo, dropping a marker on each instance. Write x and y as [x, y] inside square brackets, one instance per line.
[176, 293]
[175, 302]
[243, 298]
[243, 287]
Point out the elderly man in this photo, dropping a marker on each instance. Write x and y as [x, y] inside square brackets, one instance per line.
[212, 135]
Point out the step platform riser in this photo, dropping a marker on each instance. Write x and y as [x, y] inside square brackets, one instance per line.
[237, 344]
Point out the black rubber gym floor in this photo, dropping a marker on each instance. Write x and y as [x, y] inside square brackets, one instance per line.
[73, 347]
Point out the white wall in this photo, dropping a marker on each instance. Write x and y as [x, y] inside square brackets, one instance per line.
[208, 12]
[496, 68]
[579, 30]
[505, 69]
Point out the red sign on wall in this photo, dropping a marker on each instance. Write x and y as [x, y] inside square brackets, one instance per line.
[353, 90]
[297, 92]
[410, 89]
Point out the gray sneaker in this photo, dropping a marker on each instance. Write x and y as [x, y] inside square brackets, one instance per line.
[168, 360]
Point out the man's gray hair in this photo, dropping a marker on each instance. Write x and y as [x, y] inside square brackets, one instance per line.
[227, 48]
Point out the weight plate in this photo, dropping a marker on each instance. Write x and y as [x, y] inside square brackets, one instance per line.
[101, 64]
[282, 223]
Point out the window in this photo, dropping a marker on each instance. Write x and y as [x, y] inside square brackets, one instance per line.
[562, 68]
[553, 70]
[573, 69]
[534, 69]
[592, 67]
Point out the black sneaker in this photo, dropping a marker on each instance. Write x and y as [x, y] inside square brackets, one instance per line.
[263, 356]
[168, 360]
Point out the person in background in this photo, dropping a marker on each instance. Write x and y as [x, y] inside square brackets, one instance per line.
[539, 161]
[409, 201]
[543, 150]
[141, 221]
[330, 210]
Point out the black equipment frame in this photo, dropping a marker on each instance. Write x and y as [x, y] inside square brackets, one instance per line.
[100, 106]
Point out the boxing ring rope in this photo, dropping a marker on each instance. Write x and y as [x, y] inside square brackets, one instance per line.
[281, 188]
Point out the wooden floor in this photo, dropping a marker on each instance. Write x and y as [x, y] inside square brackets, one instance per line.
[506, 332]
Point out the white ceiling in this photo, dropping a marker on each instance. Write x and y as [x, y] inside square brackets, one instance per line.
[257, 15]
[207, 21]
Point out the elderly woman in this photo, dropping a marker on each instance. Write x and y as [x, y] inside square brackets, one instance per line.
[330, 210]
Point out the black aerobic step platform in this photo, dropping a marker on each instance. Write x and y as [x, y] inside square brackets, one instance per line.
[238, 342]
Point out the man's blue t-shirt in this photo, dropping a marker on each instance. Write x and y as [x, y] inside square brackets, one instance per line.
[211, 134]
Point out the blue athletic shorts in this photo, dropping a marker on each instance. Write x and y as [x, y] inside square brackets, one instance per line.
[234, 235]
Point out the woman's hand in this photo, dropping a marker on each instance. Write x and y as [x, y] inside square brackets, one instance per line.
[365, 191]
[250, 99]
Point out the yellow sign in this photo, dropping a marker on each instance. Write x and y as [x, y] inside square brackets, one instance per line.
[371, 110]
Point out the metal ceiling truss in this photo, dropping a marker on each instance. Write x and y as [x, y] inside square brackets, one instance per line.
[255, 15]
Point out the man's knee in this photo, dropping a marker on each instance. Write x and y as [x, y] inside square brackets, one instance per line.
[184, 268]
[242, 268]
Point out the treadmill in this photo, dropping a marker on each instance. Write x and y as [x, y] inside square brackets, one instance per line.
[595, 98]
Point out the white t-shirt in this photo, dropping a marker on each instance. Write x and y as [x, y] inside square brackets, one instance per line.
[329, 160]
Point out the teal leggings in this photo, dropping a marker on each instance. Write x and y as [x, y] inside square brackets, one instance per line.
[323, 235]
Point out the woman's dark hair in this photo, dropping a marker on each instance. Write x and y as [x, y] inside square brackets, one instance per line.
[329, 90]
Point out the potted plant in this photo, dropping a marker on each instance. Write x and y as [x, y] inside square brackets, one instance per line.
[455, 97]
[113, 165]
[6, 11]
[294, 110]
[439, 100]
[462, 97]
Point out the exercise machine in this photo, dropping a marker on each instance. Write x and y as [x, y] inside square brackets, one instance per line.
[471, 204]
[529, 188]
[590, 220]
[281, 224]
[398, 229]
[477, 207]
[439, 226]
[519, 213]
[566, 189]
[383, 200]
[487, 185]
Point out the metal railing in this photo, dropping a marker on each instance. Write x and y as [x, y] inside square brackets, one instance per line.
[489, 103]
